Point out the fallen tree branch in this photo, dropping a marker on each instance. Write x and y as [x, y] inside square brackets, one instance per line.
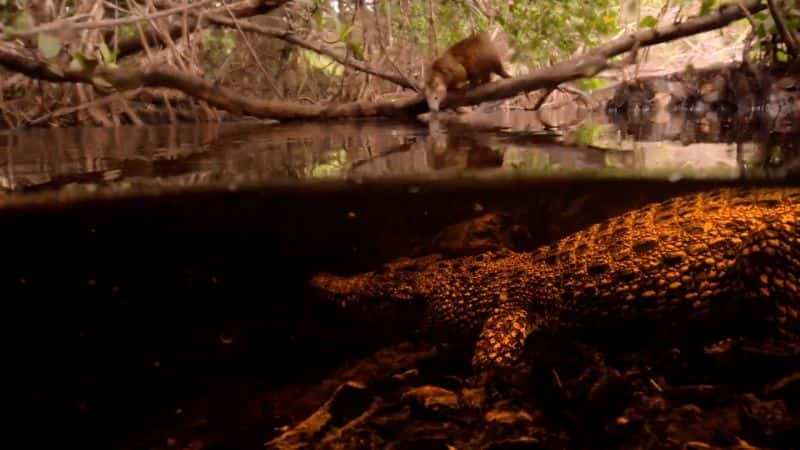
[695, 25]
[598, 58]
[20, 59]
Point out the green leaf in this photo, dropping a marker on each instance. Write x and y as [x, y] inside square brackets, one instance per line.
[706, 7]
[586, 134]
[127, 31]
[56, 69]
[83, 63]
[590, 84]
[336, 164]
[105, 52]
[88, 64]
[358, 50]
[648, 22]
[23, 20]
[782, 56]
[100, 81]
[775, 155]
[319, 18]
[344, 31]
[109, 56]
[761, 30]
[48, 45]
[629, 7]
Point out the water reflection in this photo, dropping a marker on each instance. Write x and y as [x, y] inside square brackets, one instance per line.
[497, 143]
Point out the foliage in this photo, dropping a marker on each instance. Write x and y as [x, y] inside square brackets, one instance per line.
[590, 84]
[587, 133]
[217, 45]
[8, 13]
[707, 5]
[127, 31]
[333, 164]
[648, 22]
[355, 49]
[48, 45]
[109, 56]
[768, 43]
[540, 32]
[455, 20]
[322, 63]
[550, 30]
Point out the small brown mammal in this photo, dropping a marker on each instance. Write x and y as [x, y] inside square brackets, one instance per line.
[473, 59]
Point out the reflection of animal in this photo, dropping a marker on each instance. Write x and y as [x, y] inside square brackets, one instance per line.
[713, 256]
[472, 60]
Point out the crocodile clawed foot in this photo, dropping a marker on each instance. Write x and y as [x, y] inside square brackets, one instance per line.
[502, 383]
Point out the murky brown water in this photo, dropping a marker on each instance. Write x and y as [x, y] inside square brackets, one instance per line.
[669, 148]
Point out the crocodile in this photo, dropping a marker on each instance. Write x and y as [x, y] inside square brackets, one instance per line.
[693, 255]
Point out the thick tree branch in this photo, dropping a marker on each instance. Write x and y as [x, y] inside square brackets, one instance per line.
[22, 60]
[597, 59]
[665, 33]
[581, 67]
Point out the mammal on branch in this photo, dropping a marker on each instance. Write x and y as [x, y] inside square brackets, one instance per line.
[472, 60]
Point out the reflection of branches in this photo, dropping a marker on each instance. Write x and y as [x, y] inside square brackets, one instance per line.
[542, 99]
[402, 148]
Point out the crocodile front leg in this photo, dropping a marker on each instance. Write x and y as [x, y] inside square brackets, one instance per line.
[768, 269]
[502, 338]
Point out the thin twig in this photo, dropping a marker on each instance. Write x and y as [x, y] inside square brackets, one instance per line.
[747, 14]
[61, 25]
[148, 53]
[182, 59]
[786, 34]
[263, 69]
[169, 108]
[432, 24]
[291, 37]
[73, 109]
[391, 61]
[543, 98]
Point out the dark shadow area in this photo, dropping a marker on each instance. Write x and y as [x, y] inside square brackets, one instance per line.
[142, 317]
